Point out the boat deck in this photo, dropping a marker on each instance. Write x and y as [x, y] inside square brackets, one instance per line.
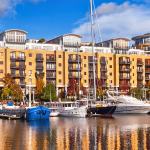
[9, 116]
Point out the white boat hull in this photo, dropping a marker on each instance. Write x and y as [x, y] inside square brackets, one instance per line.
[132, 110]
[54, 114]
[76, 112]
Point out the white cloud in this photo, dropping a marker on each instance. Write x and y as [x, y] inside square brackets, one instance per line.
[7, 7]
[118, 21]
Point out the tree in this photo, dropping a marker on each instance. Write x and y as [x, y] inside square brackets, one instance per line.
[136, 92]
[72, 86]
[47, 89]
[41, 40]
[82, 88]
[5, 91]
[8, 80]
[39, 87]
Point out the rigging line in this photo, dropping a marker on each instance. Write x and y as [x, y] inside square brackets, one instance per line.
[97, 22]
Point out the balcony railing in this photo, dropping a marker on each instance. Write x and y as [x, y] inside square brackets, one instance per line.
[124, 70]
[147, 71]
[104, 62]
[39, 59]
[125, 62]
[51, 76]
[51, 68]
[104, 84]
[139, 78]
[18, 66]
[139, 70]
[147, 64]
[71, 60]
[91, 61]
[16, 42]
[22, 83]
[17, 58]
[74, 68]
[74, 76]
[19, 75]
[104, 69]
[104, 77]
[66, 44]
[124, 78]
[91, 77]
[50, 60]
[140, 63]
[147, 78]
[40, 67]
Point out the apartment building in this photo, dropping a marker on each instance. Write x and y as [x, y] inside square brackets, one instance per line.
[142, 42]
[60, 62]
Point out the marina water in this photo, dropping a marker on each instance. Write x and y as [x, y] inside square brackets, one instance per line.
[119, 132]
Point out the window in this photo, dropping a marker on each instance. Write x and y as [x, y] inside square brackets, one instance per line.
[110, 66]
[30, 63]
[84, 57]
[59, 72]
[84, 73]
[1, 71]
[59, 56]
[59, 64]
[30, 80]
[110, 81]
[132, 59]
[1, 79]
[1, 62]
[84, 65]
[84, 81]
[110, 74]
[133, 81]
[110, 58]
[30, 55]
[133, 74]
[133, 67]
[59, 80]
[1, 53]
[30, 72]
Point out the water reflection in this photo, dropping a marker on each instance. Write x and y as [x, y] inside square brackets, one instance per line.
[120, 132]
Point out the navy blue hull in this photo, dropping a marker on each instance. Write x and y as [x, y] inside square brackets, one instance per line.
[38, 113]
[109, 110]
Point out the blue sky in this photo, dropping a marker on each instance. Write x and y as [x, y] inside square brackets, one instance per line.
[51, 18]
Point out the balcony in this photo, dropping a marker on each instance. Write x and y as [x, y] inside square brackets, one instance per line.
[139, 78]
[103, 69]
[104, 62]
[147, 78]
[15, 42]
[104, 77]
[51, 76]
[147, 64]
[19, 75]
[51, 68]
[124, 62]
[17, 58]
[147, 71]
[39, 67]
[125, 78]
[125, 70]
[140, 70]
[39, 59]
[91, 77]
[140, 63]
[22, 84]
[66, 44]
[70, 60]
[17, 66]
[104, 84]
[51, 60]
[74, 68]
[74, 76]
[91, 61]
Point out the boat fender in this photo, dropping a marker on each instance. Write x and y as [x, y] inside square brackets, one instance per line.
[43, 113]
[38, 112]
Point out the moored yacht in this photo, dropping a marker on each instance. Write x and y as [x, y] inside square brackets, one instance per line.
[128, 104]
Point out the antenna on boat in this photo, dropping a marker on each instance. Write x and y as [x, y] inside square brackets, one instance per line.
[94, 88]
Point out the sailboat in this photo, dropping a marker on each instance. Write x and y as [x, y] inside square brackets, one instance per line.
[95, 109]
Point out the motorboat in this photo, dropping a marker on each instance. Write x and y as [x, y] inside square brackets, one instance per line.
[37, 113]
[54, 112]
[70, 109]
[128, 104]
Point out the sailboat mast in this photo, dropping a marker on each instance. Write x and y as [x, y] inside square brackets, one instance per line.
[94, 88]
